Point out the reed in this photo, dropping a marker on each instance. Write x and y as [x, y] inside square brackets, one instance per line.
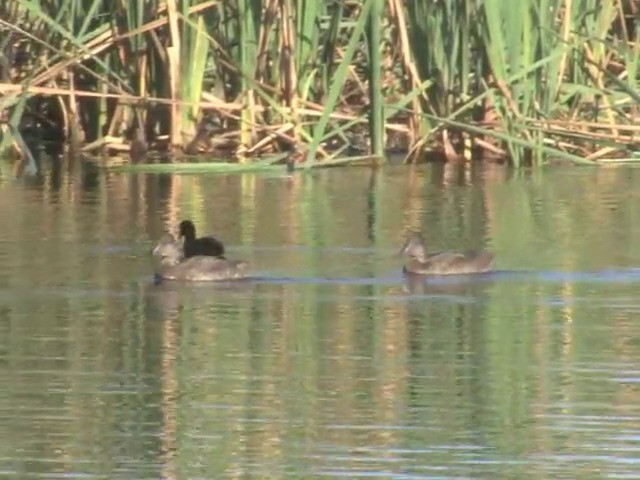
[376, 100]
[524, 81]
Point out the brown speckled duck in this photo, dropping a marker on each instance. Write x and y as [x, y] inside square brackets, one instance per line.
[198, 268]
[444, 263]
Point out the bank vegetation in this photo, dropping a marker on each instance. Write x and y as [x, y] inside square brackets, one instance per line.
[321, 82]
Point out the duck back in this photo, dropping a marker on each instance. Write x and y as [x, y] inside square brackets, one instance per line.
[451, 263]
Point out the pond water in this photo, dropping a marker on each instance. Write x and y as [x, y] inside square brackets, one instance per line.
[329, 364]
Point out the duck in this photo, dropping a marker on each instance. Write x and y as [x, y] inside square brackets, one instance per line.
[444, 263]
[208, 246]
[175, 265]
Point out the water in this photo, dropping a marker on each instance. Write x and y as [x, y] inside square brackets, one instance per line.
[329, 364]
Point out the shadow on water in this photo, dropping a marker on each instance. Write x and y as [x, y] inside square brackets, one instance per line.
[166, 295]
[460, 285]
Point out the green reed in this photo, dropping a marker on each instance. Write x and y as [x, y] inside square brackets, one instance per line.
[523, 80]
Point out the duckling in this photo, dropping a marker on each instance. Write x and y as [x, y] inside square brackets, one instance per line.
[444, 263]
[209, 246]
[197, 268]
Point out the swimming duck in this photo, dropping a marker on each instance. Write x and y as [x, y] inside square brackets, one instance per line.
[444, 263]
[199, 246]
[197, 268]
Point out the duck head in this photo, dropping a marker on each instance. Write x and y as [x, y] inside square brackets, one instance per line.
[414, 247]
[168, 250]
[187, 229]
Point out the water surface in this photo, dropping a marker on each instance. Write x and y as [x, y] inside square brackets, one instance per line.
[330, 363]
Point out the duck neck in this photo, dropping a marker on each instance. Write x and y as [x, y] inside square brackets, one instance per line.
[168, 262]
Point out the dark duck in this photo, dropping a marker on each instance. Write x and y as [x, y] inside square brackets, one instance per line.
[208, 246]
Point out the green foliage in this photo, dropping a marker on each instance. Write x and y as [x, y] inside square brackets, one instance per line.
[531, 79]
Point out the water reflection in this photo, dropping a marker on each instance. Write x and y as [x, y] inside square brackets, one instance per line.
[328, 361]
[454, 285]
